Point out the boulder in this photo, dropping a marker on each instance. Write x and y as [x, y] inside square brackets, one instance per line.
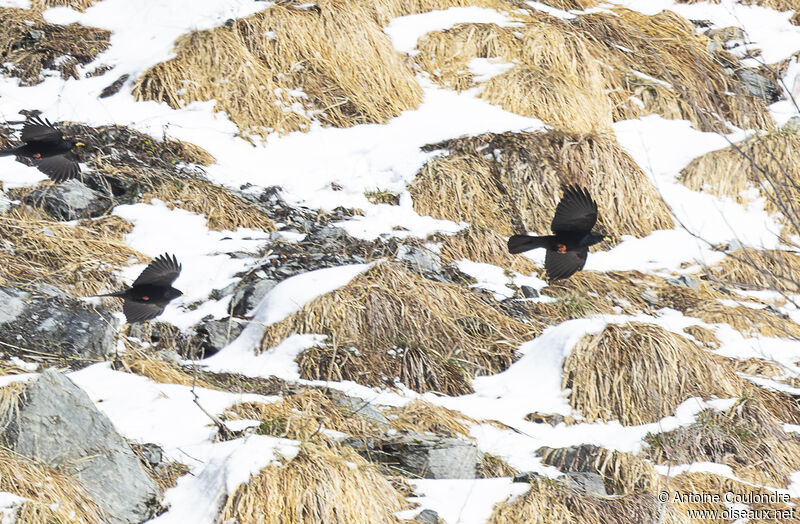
[58, 424]
[423, 456]
[51, 322]
[69, 200]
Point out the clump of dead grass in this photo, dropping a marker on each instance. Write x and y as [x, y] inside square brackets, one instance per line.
[303, 415]
[511, 182]
[223, 211]
[79, 259]
[288, 66]
[424, 417]
[704, 336]
[29, 45]
[702, 483]
[80, 5]
[639, 373]
[391, 323]
[552, 502]
[385, 10]
[690, 81]
[54, 496]
[623, 473]
[705, 304]
[745, 437]
[323, 484]
[157, 370]
[764, 269]
[769, 162]
[554, 77]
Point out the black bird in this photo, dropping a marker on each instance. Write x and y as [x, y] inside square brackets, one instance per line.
[152, 291]
[575, 217]
[46, 146]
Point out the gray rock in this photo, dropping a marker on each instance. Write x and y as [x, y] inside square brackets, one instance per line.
[69, 200]
[423, 260]
[362, 408]
[529, 292]
[54, 324]
[759, 85]
[526, 477]
[59, 424]
[587, 482]
[428, 516]
[685, 281]
[650, 297]
[216, 334]
[424, 456]
[248, 297]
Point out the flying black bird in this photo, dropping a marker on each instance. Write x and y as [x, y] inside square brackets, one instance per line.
[575, 217]
[46, 146]
[152, 291]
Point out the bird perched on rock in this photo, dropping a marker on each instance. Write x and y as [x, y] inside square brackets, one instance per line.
[572, 224]
[46, 146]
[152, 291]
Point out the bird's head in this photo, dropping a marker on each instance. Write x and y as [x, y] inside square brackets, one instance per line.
[173, 293]
[596, 238]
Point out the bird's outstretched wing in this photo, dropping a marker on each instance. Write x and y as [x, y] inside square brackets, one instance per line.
[139, 312]
[564, 265]
[38, 130]
[60, 167]
[161, 272]
[576, 212]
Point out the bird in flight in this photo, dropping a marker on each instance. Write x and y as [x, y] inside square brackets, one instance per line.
[152, 291]
[572, 225]
[46, 145]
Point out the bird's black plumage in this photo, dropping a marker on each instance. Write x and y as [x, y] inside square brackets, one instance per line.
[46, 145]
[152, 291]
[567, 248]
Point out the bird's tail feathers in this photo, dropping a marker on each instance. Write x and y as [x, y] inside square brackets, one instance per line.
[521, 243]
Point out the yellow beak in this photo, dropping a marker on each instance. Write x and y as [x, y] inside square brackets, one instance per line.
[607, 239]
[79, 144]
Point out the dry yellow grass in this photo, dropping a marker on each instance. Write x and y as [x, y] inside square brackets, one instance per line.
[27, 57]
[285, 67]
[139, 363]
[324, 484]
[385, 10]
[79, 259]
[552, 502]
[705, 305]
[303, 415]
[80, 5]
[555, 77]
[55, 497]
[520, 191]
[389, 322]
[668, 48]
[745, 437]
[763, 269]
[424, 417]
[623, 473]
[768, 162]
[222, 210]
[714, 484]
[639, 373]
[704, 336]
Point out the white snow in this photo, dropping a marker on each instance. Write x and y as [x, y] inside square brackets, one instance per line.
[387, 157]
[462, 501]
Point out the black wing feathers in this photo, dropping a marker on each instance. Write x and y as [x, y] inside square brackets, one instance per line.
[139, 312]
[576, 212]
[564, 265]
[161, 272]
[60, 167]
[38, 130]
